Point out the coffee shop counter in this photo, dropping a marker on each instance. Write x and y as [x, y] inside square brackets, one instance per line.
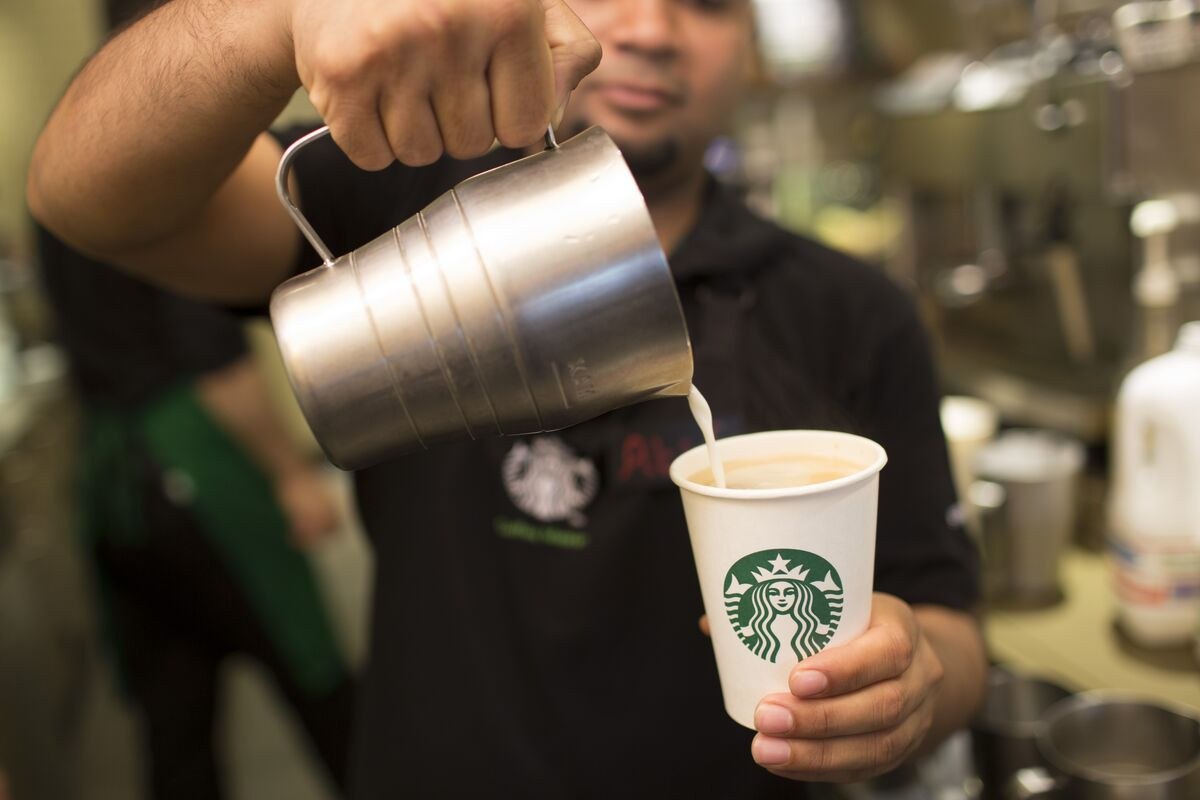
[1076, 643]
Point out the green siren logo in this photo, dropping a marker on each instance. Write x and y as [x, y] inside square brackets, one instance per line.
[784, 600]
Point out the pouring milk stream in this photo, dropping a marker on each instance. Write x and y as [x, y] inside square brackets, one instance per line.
[703, 415]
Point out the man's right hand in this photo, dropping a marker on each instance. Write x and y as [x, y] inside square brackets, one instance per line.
[409, 80]
[155, 158]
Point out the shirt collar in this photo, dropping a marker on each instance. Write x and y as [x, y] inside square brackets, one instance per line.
[727, 238]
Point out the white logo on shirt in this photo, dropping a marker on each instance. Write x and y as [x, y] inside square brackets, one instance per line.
[548, 481]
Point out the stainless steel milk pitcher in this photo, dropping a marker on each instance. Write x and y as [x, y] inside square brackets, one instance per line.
[528, 298]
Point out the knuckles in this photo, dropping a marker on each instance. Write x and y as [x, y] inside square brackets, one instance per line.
[525, 131]
[937, 671]
[892, 705]
[900, 650]
[509, 17]
[889, 749]
[419, 154]
[822, 722]
[462, 144]
[335, 63]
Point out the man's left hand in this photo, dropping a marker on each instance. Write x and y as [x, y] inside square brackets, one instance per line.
[857, 710]
[309, 505]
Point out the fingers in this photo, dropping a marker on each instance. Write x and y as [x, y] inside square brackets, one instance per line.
[354, 123]
[413, 79]
[413, 135]
[857, 710]
[884, 651]
[521, 80]
[704, 625]
[844, 758]
[875, 708]
[574, 52]
[462, 101]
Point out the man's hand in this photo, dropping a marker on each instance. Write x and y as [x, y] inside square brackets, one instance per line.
[854, 711]
[156, 158]
[411, 79]
[308, 504]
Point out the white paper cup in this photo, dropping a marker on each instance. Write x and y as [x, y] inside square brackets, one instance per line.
[757, 548]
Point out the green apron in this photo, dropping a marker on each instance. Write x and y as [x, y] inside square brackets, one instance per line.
[233, 502]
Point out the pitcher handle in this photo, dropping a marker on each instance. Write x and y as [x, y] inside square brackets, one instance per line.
[285, 197]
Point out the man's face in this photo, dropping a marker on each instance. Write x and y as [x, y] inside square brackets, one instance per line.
[672, 73]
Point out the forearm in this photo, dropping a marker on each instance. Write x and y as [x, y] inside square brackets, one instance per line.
[157, 120]
[238, 399]
[958, 642]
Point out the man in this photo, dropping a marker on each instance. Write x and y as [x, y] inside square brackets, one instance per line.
[515, 654]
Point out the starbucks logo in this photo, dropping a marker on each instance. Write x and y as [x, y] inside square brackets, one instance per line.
[548, 481]
[783, 601]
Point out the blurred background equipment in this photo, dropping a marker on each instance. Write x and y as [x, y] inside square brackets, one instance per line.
[991, 154]
[969, 424]
[1025, 498]
[1017, 187]
[1005, 731]
[1109, 745]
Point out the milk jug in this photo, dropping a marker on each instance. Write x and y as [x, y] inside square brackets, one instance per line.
[1154, 512]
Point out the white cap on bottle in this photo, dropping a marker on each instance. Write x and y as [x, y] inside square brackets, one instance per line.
[1189, 337]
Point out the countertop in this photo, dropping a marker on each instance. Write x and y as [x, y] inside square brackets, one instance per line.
[1075, 642]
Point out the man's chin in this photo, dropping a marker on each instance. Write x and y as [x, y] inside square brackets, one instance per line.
[648, 158]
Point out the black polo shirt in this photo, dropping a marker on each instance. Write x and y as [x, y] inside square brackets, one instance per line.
[543, 643]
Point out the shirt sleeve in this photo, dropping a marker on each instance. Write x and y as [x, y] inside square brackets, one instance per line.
[203, 338]
[923, 553]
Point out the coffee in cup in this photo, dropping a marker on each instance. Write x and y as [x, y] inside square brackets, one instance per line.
[779, 472]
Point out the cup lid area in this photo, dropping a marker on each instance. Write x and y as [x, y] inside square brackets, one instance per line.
[825, 444]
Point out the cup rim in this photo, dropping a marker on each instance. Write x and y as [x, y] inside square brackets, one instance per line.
[861, 475]
[1097, 697]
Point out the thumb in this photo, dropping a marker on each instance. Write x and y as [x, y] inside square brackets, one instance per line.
[574, 52]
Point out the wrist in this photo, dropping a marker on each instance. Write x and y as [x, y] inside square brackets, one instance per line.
[292, 470]
[279, 17]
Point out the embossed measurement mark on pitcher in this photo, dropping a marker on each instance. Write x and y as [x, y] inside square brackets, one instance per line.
[581, 384]
[581, 379]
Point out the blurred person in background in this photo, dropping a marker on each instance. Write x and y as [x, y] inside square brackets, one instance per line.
[521, 648]
[196, 508]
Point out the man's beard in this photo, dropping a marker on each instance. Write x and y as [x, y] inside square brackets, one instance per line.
[648, 162]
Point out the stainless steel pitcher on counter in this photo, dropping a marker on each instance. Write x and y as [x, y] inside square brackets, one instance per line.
[1109, 746]
[528, 298]
[1025, 497]
[1004, 732]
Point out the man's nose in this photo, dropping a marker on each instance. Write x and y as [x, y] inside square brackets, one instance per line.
[647, 26]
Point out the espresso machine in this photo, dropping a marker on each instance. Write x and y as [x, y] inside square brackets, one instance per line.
[1017, 172]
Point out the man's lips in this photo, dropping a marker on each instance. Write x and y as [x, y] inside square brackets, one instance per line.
[637, 97]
